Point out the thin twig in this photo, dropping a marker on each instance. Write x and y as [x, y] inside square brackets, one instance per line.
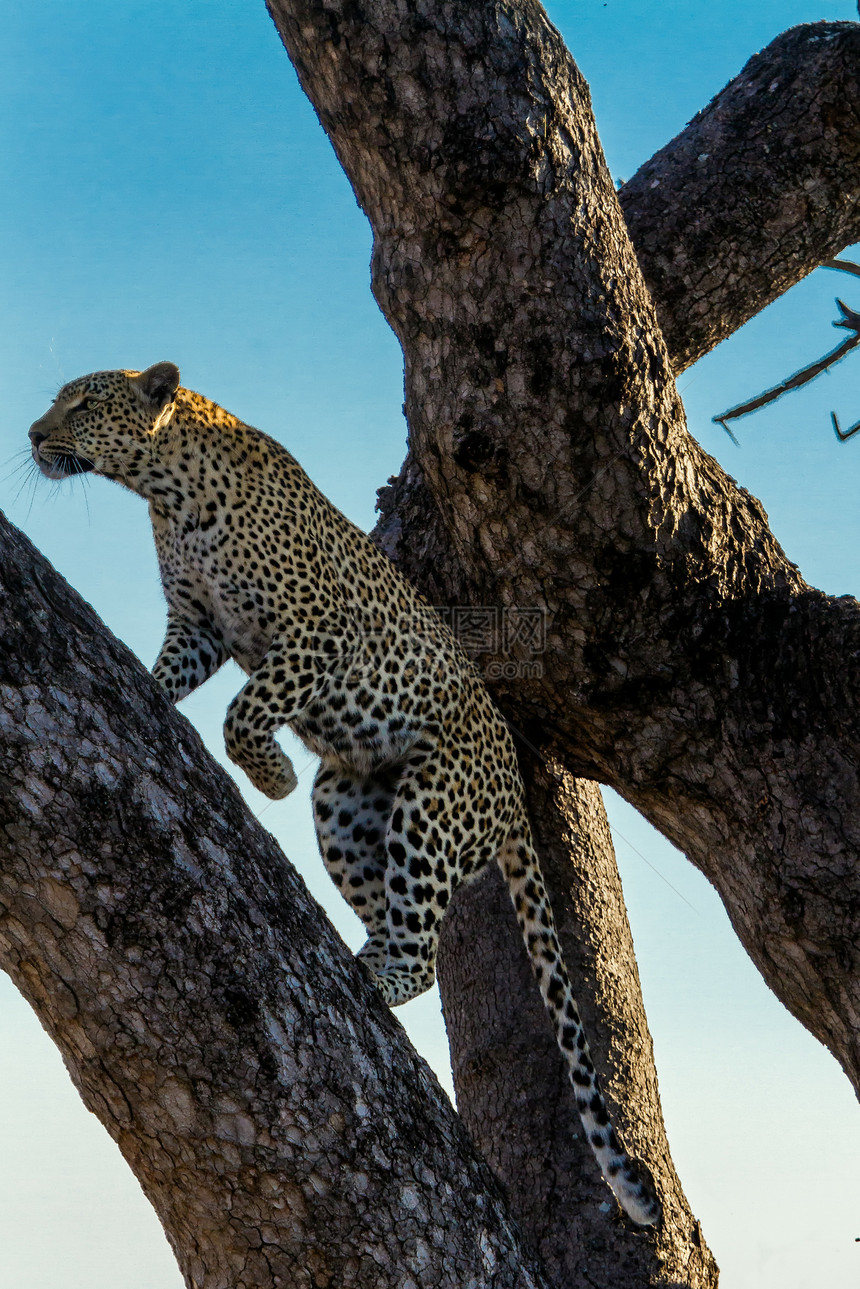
[847, 266]
[842, 435]
[851, 321]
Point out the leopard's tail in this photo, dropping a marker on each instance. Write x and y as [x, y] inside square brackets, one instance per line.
[631, 1185]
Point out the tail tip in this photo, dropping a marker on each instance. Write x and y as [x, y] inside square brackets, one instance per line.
[636, 1193]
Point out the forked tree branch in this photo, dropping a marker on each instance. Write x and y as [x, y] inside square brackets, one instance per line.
[760, 188]
[687, 663]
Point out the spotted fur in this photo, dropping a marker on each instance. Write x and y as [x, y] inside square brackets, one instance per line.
[418, 786]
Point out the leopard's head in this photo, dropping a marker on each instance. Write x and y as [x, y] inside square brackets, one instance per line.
[105, 422]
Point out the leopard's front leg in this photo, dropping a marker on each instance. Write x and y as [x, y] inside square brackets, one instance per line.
[191, 653]
[287, 680]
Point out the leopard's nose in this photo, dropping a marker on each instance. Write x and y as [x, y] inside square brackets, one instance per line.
[37, 436]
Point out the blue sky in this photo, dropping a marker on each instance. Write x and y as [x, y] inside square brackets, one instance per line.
[169, 194]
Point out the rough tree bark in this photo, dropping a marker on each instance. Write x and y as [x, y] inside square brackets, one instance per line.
[550, 468]
[268, 1102]
[716, 239]
[688, 663]
[755, 193]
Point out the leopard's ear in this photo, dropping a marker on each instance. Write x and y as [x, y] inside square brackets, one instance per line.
[159, 383]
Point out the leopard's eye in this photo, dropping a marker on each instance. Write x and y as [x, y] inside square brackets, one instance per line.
[87, 405]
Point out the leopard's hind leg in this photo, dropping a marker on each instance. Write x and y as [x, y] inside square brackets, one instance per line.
[436, 839]
[351, 814]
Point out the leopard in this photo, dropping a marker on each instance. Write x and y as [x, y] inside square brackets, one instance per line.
[418, 786]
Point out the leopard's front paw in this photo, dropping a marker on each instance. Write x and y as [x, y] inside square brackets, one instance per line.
[275, 779]
[281, 785]
[263, 760]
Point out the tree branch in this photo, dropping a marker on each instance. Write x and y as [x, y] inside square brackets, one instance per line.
[758, 189]
[267, 1101]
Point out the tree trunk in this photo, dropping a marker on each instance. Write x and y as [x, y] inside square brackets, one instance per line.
[266, 1099]
[512, 1089]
